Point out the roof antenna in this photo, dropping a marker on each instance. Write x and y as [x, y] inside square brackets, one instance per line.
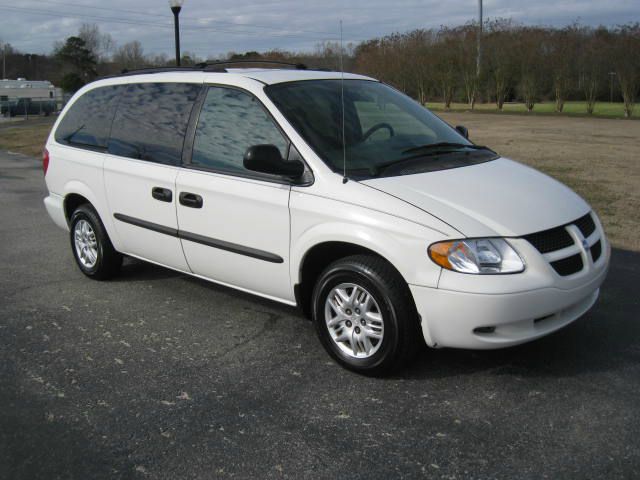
[344, 141]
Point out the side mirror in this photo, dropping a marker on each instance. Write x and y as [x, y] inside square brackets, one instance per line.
[267, 159]
[463, 131]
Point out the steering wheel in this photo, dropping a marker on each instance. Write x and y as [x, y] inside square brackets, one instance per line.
[377, 127]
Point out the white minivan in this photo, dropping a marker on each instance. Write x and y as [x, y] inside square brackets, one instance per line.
[338, 194]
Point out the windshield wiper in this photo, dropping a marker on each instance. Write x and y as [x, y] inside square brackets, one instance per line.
[430, 146]
[378, 169]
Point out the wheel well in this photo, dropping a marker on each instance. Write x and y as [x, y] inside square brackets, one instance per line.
[316, 260]
[71, 202]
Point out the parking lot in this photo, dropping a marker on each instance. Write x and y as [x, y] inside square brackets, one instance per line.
[159, 375]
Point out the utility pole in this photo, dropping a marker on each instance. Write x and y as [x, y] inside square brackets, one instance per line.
[4, 61]
[479, 56]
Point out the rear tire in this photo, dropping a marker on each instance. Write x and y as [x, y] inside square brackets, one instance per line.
[365, 315]
[91, 246]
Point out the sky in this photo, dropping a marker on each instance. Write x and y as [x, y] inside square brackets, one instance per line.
[212, 28]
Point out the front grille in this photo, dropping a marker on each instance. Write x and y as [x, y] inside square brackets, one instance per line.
[558, 238]
[586, 225]
[568, 266]
[550, 240]
[596, 251]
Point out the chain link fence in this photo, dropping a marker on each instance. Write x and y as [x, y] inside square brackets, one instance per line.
[26, 107]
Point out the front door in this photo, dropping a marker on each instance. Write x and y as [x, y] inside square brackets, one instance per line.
[233, 223]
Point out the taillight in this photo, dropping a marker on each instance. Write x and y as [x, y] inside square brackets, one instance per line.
[45, 161]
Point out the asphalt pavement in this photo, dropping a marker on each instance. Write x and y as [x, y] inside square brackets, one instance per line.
[160, 375]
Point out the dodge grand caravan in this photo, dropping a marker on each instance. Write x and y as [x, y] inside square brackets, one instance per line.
[385, 225]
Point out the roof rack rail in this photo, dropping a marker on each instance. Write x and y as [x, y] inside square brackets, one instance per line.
[205, 66]
[137, 71]
[217, 66]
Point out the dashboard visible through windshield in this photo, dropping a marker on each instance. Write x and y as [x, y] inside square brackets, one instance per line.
[386, 133]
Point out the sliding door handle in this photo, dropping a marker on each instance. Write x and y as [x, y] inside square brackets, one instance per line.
[190, 200]
[162, 194]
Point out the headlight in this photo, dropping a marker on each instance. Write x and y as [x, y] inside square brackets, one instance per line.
[479, 255]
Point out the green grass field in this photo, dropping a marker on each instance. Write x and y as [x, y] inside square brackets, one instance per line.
[602, 109]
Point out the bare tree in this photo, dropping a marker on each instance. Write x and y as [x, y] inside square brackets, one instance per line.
[98, 43]
[418, 48]
[129, 56]
[561, 52]
[444, 65]
[625, 55]
[467, 41]
[368, 58]
[531, 64]
[406, 51]
[500, 55]
[160, 60]
[395, 61]
[591, 64]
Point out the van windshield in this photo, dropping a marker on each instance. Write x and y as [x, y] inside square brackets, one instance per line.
[383, 128]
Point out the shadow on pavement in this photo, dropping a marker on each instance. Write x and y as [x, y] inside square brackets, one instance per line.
[134, 270]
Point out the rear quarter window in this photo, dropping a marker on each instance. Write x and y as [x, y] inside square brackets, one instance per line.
[88, 121]
[151, 121]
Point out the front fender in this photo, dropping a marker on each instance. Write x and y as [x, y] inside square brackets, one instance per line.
[406, 251]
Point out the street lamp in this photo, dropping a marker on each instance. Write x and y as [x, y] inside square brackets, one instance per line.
[176, 6]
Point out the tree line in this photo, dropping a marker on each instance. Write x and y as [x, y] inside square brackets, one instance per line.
[520, 63]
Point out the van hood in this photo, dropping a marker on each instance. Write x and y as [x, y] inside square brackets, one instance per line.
[496, 198]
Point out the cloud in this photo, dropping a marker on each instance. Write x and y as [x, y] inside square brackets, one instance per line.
[210, 29]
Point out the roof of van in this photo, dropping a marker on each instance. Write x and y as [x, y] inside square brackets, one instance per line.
[268, 76]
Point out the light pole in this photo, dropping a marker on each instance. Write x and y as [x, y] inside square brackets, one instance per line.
[176, 6]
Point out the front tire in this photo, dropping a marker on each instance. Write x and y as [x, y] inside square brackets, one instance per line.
[91, 246]
[365, 316]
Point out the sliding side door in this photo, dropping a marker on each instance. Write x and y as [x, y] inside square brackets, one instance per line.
[145, 149]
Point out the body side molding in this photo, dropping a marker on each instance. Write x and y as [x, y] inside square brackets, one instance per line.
[144, 224]
[194, 237]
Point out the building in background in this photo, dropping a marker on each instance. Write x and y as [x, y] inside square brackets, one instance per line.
[29, 97]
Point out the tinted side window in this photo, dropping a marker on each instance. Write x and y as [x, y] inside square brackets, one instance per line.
[230, 122]
[88, 121]
[151, 121]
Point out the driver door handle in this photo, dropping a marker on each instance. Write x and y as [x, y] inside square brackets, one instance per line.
[190, 200]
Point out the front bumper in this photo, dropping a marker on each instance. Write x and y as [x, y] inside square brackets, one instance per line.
[452, 318]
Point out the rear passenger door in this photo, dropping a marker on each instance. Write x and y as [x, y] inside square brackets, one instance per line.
[234, 223]
[145, 149]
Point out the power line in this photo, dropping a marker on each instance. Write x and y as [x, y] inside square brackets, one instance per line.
[91, 17]
[93, 7]
[120, 20]
[185, 17]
